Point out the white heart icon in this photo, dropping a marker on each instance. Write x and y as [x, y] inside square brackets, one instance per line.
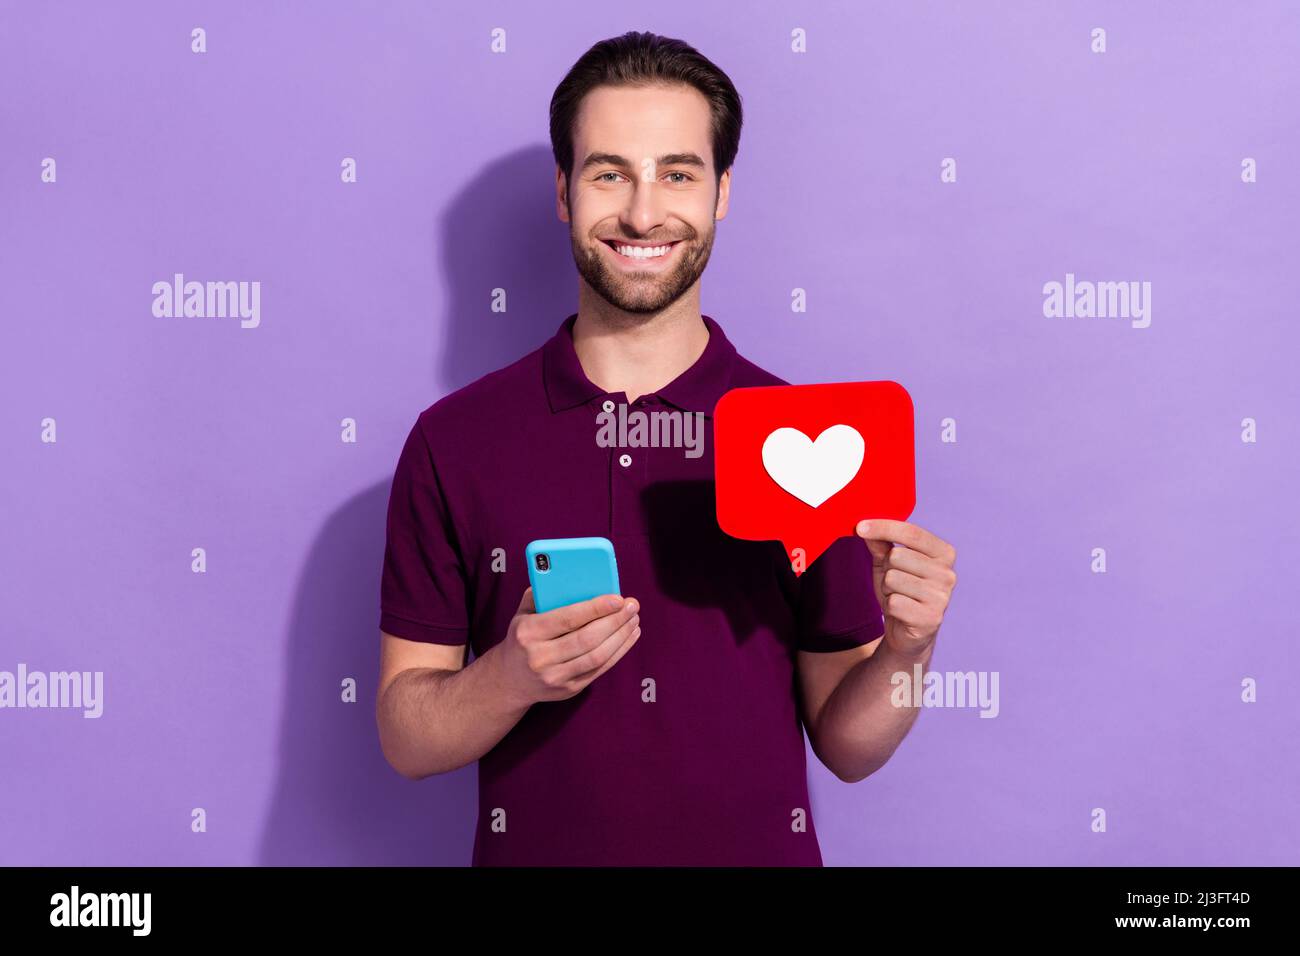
[812, 471]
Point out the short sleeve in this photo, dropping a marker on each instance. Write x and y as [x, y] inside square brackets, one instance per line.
[422, 588]
[837, 608]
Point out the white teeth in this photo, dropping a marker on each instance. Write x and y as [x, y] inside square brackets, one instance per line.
[642, 252]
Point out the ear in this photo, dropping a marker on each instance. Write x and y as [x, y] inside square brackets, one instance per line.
[561, 194]
[724, 196]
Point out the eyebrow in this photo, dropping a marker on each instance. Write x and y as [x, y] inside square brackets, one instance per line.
[668, 159]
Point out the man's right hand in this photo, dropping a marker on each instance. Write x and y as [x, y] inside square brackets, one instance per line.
[555, 654]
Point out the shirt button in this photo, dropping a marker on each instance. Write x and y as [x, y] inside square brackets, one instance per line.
[625, 460]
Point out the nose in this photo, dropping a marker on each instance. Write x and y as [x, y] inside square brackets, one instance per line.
[646, 208]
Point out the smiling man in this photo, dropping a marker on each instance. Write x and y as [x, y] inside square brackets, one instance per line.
[664, 726]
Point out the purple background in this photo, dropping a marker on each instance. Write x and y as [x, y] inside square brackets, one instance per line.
[1118, 690]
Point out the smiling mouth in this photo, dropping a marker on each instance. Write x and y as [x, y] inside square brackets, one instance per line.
[638, 253]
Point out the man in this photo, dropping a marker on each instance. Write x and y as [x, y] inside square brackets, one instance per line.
[664, 727]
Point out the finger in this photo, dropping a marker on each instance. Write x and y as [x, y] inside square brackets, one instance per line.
[897, 581]
[526, 605]
[600, 659]
[914, 562]
[906, 533]
[889, 530]
[571, 617]
[623, 648]
[576, 643]
[907, 610]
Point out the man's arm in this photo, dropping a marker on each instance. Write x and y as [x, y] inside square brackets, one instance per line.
[852, 723]
[435, 714]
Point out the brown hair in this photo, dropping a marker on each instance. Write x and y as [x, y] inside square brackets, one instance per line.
[636, 59]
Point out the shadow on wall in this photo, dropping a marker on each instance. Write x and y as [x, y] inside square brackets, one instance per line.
[336, 800]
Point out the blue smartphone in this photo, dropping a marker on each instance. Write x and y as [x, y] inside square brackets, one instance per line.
[566, 570]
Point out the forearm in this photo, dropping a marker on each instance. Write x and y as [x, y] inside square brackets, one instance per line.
[432, 721]
[860, 727]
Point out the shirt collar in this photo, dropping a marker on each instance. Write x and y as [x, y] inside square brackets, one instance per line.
[696, 390]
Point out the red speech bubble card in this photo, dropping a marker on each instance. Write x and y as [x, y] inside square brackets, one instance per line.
[803, 464]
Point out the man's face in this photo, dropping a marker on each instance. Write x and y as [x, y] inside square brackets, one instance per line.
[643, 177]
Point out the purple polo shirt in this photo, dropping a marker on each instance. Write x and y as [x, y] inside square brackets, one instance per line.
[688, 751]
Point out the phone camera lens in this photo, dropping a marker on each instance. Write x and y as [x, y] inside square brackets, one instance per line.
[543, 562]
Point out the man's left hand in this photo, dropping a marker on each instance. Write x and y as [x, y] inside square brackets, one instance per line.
[912, 572]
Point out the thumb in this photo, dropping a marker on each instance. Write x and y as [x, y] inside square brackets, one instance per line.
[526, 605]
[879, 549]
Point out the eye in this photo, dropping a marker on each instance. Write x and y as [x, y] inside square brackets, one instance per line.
[601, 178]
[685, 177]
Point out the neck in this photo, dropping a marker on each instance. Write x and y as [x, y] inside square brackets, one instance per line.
[637, 355]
